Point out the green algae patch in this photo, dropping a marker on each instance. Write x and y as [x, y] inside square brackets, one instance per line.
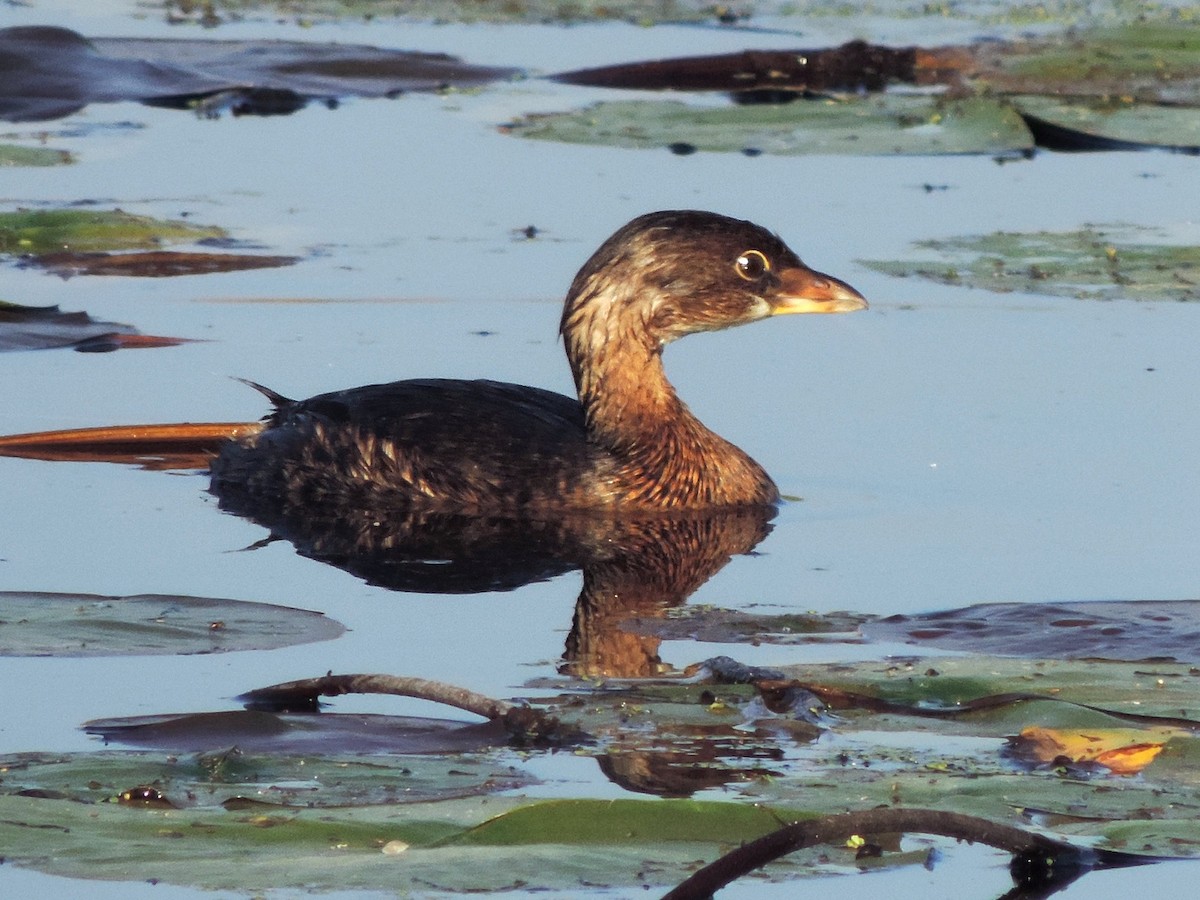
[13, 155]
[53, 230]
[882, 124]
[1092, 263]
[1159, 61]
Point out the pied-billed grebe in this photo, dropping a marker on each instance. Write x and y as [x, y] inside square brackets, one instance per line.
[628, 443]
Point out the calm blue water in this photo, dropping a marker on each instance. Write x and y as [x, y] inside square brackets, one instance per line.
[950, 446]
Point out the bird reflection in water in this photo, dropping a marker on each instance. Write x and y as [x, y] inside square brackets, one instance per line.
[633, 567]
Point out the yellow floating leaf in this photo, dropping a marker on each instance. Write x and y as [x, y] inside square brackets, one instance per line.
[1124, 751]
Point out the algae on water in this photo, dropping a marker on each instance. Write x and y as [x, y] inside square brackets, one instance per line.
[1092, 263]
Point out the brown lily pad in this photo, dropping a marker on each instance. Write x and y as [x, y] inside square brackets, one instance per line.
[154, 263]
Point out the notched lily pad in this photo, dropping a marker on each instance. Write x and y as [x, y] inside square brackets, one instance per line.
[46, 327]
[1094, 263]
[44, 624]
[39, 231]
[881, 124]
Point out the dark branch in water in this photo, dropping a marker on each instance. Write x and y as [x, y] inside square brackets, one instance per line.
[1039, 862]
[303, 694]
[525, 725]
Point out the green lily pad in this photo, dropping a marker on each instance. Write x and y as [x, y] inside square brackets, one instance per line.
[277, 782]
[881, 124]
[51, 230]
[40, 624]
[16, 155]
[1094, 263]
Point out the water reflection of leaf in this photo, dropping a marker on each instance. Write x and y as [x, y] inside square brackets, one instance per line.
[45, 327]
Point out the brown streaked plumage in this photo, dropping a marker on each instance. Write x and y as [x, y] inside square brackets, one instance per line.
[628, 443]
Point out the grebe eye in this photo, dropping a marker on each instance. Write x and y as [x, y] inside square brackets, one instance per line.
[752, 265]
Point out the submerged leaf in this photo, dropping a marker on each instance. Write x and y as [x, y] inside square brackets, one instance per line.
[43, 624]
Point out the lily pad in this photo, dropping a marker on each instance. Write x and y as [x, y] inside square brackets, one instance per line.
[42, 624]
[881, 124]
[40, 231]
[239, 779]
[17, 155]
[1094, 263]
[936, 747]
